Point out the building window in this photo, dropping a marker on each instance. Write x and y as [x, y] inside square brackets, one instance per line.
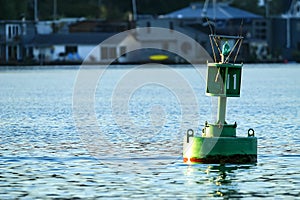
[12, 31]
[71, 52]
[9, 33]
[108, 52]
[71, 49]
[260, 29]
[112, 52]
[104, 53]
[12, 53]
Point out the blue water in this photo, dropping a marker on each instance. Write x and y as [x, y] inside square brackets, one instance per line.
[123, 137]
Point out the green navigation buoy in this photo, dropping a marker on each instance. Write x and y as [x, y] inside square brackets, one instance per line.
[218, 142]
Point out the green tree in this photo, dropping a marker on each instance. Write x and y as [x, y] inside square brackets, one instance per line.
[275, 7]
[118, 9]
[249, 5]
[115, 9]
[12, 9]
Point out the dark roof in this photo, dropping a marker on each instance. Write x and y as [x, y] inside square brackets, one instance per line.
[73, 38]
[221, 11]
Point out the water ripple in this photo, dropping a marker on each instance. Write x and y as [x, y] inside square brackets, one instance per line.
[43, 156]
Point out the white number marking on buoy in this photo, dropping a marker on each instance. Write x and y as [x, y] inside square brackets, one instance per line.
[228, 81]
[234, 81]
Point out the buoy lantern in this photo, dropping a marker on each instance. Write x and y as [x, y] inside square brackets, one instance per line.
[218, 142]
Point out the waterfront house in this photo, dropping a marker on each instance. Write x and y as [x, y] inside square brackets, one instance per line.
[78, 47]
[14, 34]
[284, 37]
[224, 18]
[199, 20]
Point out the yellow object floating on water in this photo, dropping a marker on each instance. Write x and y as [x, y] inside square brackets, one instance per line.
[158, 57]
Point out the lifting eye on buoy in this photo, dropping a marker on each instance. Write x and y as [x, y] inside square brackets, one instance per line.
[189, 133]
[251, 132]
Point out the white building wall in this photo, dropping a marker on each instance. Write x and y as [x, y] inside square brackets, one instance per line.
[85, 50]
[130, 43]
[57, 50]
[90, 53]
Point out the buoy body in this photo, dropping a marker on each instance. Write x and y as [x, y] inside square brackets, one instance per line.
[215, 150]
[218, 142]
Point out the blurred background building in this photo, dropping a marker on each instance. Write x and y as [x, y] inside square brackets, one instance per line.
[45, 32]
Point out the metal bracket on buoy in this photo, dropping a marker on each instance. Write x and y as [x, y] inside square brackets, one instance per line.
[189, 133]
[251, 132]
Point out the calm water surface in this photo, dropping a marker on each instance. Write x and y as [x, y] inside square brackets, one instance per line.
[137, 151]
